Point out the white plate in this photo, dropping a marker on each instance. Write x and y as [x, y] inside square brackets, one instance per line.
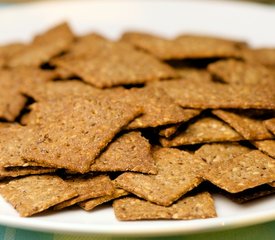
[250, 22]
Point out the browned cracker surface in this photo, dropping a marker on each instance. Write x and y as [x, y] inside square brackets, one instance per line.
[247, 126]
[265, 56]
[270, 125]
[192, 207]
[34, 194]
[8, 50]
[266, 146]
[76, 131]
[130, 152]
[204, 130]
[178, 173]
[242, 172]
[87, 187]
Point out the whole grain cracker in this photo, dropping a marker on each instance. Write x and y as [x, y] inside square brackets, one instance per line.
[92, 203]
[249, 127]
[270, 125]
[214, 95]
[130, 152]
[218, 152]
[192, 207]
[86, 188]
[184, 46]
[266, 146]
[44, 47]
[242, 172]
[178, 173]
[237, 72]
[204, 130]
[73, 135]
[116, 64]
[34, 194]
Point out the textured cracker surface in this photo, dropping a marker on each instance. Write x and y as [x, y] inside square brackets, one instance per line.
[192, 207]
[8, 50]
[34, 194]
[76, 131]
[178, 173]
[185, 46]
[250, 128]
[243, 172]
[270, 125]
[266, 146]
[219, 152]
[92, 203]
[204, 130]
[87, 187]
[43, 47]
[130, 152]
[265, 56]
[117, 64]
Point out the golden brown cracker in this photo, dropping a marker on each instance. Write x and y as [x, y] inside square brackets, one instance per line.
[266, 146]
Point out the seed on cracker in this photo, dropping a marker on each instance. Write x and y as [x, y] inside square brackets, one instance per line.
[34, 194]
[266, 146]
[218, 152]
[204, 130]
[90, 204]
[237, 72]
[242, 172]
[130, 152]
[270, 125]
[78, 129]
[116, 64]
[178, 173]
[248, 126]
[44, 47]
[191, 207]
[86, 188]
[184, 46]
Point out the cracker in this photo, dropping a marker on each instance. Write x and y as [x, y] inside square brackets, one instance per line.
[242, 172]
[204, 130]
[184, 46]
[116, 64]
[169, 131]
[73, 135]
[92, 203]
[194, 74]
[270, 125]
[178, 173]
[206, 95]
[23, 171]
[34, 194]
[248, 126]
[159, 108]
[60, 89]
[86, 188]
[192, 207]
[11, 101]
[237, 72]
[218, 152]
[130, 152]
[264, 56]
[272, 184]
[8, 50]
[45, 46]
[266, 146]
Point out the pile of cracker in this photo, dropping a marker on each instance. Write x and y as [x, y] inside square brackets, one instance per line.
[152, 125]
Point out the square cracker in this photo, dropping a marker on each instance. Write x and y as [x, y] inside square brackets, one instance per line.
[45, 46]
[86, 188]
[191, 207]
[219, 152]
[94, 202]
[34, 194]
[204, 95]
[266, 146]
[245, 124]
[184, 46]
[242, 172]
[178, 173]
[116, 64]
[270, 125]
[237, 72]
[130, 152]
[204, 130]
[78, 129]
